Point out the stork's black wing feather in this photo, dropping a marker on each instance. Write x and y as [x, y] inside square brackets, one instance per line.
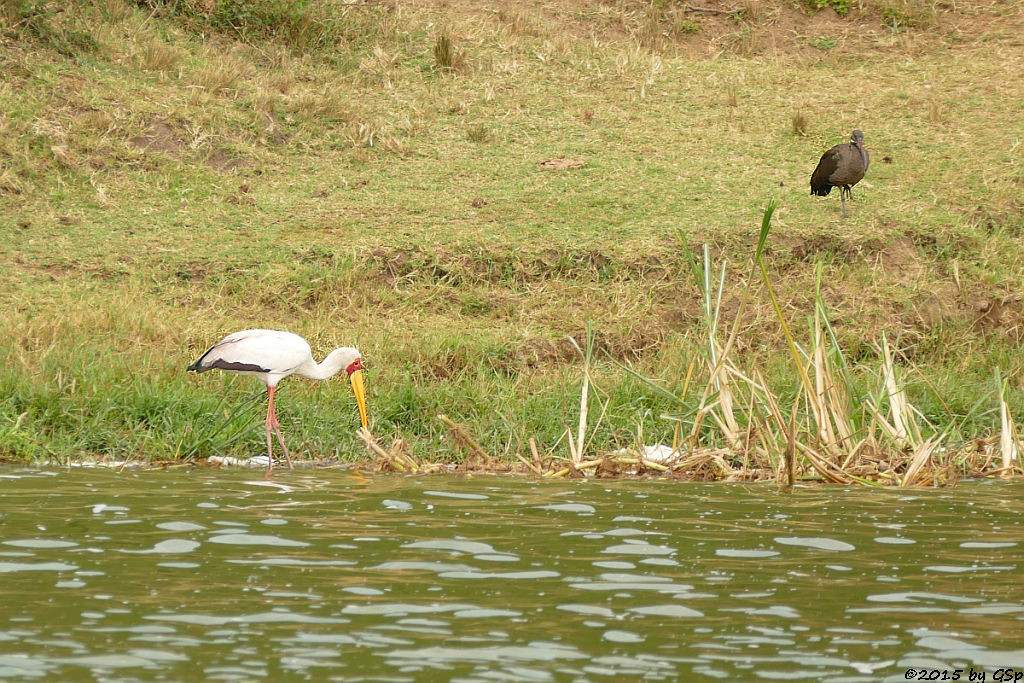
[202, 365]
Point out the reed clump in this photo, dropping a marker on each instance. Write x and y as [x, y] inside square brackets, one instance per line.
[831, 430]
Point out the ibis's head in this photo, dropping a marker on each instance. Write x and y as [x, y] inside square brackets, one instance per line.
[857, 138]
[355, 375]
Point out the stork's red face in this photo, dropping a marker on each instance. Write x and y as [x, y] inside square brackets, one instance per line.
[357, 364]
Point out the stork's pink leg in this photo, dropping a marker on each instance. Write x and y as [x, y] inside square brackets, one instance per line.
[270, 442]
[272, 423]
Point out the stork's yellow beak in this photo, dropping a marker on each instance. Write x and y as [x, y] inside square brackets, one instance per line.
[360, 391]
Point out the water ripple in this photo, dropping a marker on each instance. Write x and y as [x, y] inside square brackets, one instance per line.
[533, 652]
[816, 543]
[12, 567]
[453, 494]
[256, 539]
[480, 550]
[578, 508]
[674, 611]
[414, 578]
[40, 543]
[169, 547]
[528, 575]
[638, 548]
[273, 617]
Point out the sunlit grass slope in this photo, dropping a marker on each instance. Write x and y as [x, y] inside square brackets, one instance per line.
[459, 189]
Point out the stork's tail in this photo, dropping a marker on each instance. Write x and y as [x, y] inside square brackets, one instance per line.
[198, 365]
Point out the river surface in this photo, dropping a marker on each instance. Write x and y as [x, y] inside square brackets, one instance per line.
[332, 575]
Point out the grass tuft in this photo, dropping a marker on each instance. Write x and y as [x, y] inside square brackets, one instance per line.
[903, 14]
[651, 33]
[752, 10]
[732, 95]
[798, 123]
[824, 43]
[156, 55]
[446, 57]
[479, 133]
[220, 73]
[841, 7]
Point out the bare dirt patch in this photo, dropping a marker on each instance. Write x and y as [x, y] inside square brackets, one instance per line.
[1002, 316]
[159, 136]
[220, 160]
[561, 164]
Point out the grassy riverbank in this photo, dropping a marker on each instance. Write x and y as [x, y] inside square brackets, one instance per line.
[169, 176]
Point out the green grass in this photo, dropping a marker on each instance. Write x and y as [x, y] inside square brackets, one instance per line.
[175, 183]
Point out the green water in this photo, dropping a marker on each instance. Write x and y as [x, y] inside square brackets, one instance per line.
[219, 575]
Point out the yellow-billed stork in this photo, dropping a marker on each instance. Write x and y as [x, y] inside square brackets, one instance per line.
[270, 356]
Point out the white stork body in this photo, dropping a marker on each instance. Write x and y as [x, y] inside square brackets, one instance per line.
[270, 356]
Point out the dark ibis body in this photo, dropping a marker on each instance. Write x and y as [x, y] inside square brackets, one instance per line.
[843, 166]
[270, 356]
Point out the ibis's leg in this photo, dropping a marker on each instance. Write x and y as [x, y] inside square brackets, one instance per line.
[273, 423]
[842, 199]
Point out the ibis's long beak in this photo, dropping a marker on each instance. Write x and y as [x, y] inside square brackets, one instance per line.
[360, 391]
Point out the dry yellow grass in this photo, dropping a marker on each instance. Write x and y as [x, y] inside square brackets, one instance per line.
[156, 55]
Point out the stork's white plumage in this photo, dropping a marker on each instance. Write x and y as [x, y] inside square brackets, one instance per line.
[270, 356]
